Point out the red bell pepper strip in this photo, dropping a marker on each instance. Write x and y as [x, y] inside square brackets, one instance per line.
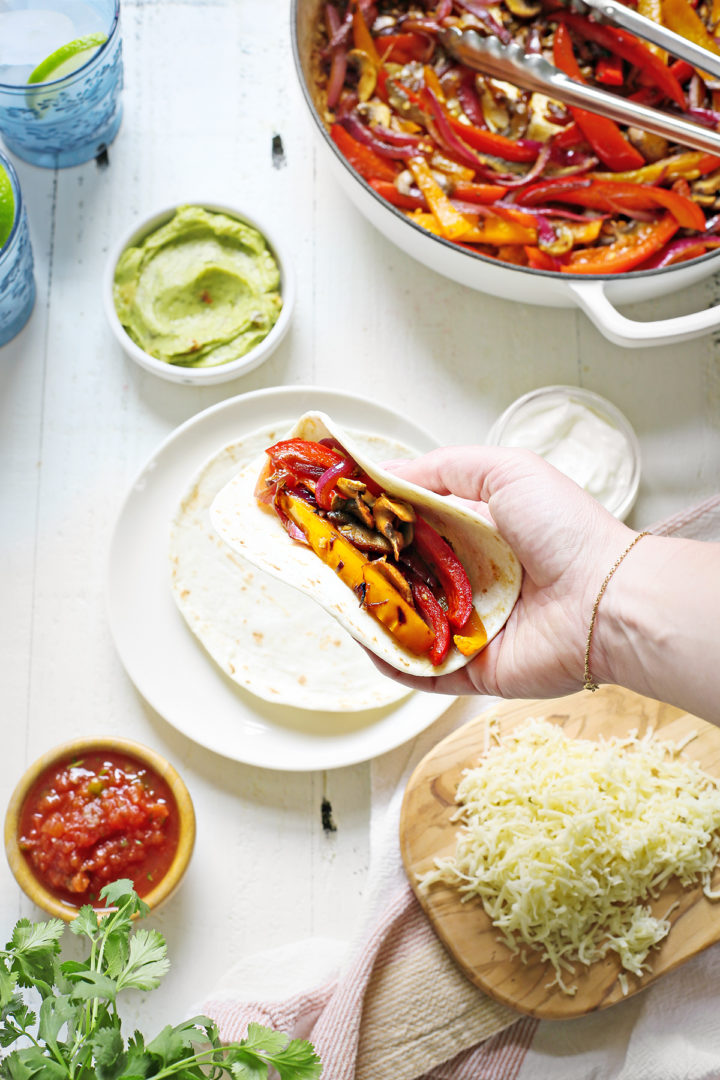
[568, 137]
[403, 48]
[297, 454]
[621, 43]
[489, 142]
[541, 260]
[477, 193]
[682, 70]
[604, 135]
[364, 160]
[435, 617]
[609, 71]
[391, 194]
[613, 196]
[450, 571]
[628, 252]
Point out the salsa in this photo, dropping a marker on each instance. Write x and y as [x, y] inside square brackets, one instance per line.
[95, 818]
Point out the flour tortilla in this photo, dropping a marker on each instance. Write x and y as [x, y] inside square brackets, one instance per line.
[257, 533]
[265, 635]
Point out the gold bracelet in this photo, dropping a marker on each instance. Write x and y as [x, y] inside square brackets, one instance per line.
[590, 683]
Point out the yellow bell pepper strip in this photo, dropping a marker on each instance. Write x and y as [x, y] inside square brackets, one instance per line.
[688, 165]
[680, 16]
[652, 9]
[473, 637]
[452, 224]
[604, 136]
[380, 598]
[629, 250]
[494, 231]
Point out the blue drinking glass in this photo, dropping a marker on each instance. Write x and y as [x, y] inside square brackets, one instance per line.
[17, 283]
[72, 119]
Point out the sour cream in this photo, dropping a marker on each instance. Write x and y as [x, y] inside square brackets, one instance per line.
[582, 435]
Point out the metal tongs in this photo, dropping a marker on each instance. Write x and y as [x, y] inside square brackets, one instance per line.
[531, 71]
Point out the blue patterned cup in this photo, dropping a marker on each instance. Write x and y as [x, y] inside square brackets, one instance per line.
[17, 284]
[67, 120]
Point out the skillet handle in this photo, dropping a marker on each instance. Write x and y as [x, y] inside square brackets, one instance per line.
[591, 297]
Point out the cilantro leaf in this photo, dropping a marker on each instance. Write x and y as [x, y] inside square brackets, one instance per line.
[55, 1013]
[108, 1053]
[147, 961]
[8, 982]
[92, 984]
[85, 922]
[294, 1059]
[122, 892]
[32, 951]
[172, 1042]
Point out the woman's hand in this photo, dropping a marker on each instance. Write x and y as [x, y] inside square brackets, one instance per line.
[566, 542]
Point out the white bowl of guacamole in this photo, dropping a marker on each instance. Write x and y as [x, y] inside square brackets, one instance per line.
[198, 293]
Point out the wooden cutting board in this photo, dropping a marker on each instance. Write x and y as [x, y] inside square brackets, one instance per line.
[427, 832]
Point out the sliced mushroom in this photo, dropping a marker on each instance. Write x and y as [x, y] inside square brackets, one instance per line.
[367, 73]
[359, 499]
[393, 519]
[708, 185]
[652, 147]
[394, 576]
[364, 539]
[376, 112]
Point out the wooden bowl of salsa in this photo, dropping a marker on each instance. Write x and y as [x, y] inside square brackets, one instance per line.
[94, 810]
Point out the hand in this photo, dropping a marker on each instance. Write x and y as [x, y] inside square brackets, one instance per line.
[566, 542]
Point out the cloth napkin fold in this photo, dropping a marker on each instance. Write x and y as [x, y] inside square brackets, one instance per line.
[392, 1004]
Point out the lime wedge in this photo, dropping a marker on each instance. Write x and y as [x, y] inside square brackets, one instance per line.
[7, 206]
[67, 58]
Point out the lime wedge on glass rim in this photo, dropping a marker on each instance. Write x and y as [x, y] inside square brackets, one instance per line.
[7, 207]
[67, 59]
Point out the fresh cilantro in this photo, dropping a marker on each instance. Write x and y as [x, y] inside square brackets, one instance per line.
[74, 1032]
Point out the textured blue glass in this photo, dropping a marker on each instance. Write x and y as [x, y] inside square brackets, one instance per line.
[17, 284]
[71, 120]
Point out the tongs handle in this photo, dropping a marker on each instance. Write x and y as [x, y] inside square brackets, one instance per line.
[531, 71]
[613, 12]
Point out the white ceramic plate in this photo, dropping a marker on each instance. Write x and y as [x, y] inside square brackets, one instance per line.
[168, 665]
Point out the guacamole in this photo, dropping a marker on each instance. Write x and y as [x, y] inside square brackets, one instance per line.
[201, 290]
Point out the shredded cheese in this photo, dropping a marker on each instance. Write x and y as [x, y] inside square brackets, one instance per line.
[565, 841]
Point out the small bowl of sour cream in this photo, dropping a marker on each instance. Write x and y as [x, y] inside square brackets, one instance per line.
[198, 293]
[583, 435]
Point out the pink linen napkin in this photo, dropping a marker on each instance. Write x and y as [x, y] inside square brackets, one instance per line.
[392, 1005]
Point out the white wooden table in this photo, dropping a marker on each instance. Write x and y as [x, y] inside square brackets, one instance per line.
[208, 85]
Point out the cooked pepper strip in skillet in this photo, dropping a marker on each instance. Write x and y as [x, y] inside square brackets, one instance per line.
[456, 151]
[401, 569]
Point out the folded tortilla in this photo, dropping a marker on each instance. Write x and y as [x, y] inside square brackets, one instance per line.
[263, 634]
[258, 535]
